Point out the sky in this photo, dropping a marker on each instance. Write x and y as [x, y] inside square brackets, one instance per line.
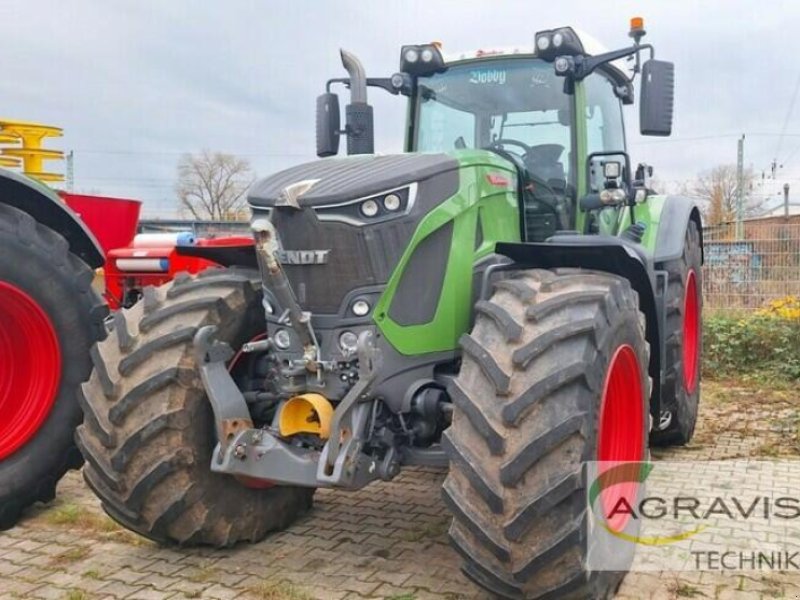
[135, 84]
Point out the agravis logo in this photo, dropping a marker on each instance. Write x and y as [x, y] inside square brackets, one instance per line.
[614, 493]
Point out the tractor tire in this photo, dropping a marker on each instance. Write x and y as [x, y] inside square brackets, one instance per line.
[680, 392]
[148, 431]
[554, 373]
[49, 319]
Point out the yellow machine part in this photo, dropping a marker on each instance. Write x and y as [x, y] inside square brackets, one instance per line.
[25, 139]
[307, 413]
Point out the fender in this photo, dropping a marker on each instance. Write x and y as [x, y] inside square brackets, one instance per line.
[226, 252]
[611, 255]
[44, 205]
[674, 220]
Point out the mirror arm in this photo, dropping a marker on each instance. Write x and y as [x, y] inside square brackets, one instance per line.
[585, 66]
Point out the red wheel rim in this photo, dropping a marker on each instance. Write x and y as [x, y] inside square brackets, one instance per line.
[30, 368]
[620, 438]
[691, 333]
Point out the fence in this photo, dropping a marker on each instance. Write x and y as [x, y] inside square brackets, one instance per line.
[200, 229]
[748, 272]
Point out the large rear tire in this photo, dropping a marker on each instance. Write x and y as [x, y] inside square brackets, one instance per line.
[49, 319]
[680, 393]
[554, 373]
[148, 432]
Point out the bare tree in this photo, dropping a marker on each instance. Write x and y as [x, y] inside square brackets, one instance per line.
[718, 190]
[212, 185]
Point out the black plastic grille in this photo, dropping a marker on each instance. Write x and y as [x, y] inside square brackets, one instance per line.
[359, 256]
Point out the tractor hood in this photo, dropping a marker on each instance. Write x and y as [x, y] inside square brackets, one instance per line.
[333, 180]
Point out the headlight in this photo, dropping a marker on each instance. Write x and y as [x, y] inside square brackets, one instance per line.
[392, 202]
[360, 308]
[348, 342]
[370, 208]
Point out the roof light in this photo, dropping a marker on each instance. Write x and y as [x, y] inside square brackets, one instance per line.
[423, 59]
[558, 42]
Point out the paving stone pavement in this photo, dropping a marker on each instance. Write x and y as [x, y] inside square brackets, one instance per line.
[387, 541]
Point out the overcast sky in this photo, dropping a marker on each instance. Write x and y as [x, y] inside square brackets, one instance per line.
[135, 84]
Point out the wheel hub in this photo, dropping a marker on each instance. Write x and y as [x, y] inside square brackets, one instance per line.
[30, 368]
[691, 333]
[620, 438]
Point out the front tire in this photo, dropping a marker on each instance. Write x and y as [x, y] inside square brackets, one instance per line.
[539, 393]
[148, 432]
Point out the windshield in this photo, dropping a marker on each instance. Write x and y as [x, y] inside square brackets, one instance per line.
[516, 105]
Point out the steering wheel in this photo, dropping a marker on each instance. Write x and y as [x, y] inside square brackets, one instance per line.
[498, 146]
[526, 176]
[501, 143]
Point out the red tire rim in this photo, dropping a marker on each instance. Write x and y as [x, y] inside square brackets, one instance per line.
[30, 368]
[619, 437]
[691, 333]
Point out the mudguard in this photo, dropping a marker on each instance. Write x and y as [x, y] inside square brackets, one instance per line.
[236, 252]
[44, 205]
[674, 220]
[609, 254]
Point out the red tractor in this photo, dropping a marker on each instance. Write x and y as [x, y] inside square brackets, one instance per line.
[51, 316]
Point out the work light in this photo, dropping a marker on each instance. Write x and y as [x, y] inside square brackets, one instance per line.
[558, 42]
[421, 59]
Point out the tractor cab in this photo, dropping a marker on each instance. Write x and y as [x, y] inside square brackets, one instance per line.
[553, 110]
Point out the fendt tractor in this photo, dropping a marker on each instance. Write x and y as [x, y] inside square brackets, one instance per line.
[507, 297]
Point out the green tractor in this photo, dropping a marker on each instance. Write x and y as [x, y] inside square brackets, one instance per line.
[507, 298]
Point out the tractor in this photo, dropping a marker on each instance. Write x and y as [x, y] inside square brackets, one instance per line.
[507, 298]
[50, 318]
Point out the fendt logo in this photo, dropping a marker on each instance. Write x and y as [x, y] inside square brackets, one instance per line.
[303, 257]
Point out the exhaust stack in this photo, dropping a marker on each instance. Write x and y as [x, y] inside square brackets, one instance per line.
[358, 114]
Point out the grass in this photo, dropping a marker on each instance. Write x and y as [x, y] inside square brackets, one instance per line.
[426, 531]
[70, 556]
[402, 597]
[280, 590]
[73, 516]
[92, 574]
[76, 595]
[765, 417]
[203, 575]
[684, 590]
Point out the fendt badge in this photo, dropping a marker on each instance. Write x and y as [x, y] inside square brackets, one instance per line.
[303, 257]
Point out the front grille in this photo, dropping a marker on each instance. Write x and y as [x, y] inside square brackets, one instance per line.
[359, 256]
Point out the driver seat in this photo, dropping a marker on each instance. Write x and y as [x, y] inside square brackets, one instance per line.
[544, 162]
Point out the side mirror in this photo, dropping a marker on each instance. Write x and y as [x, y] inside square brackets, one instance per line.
[327, 125]
[657, 98]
